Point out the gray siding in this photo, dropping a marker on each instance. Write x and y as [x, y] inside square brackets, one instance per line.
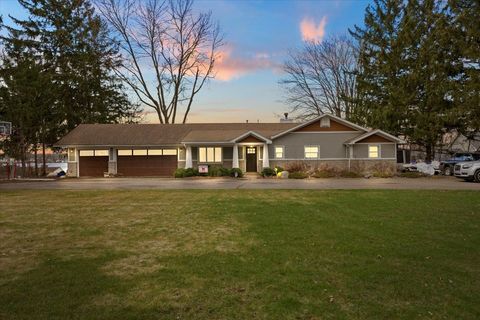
[331, 144]
[227, 153]
[386, 150]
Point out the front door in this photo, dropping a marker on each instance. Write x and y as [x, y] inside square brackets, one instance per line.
[251, 159]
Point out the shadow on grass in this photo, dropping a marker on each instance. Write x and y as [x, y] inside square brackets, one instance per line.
[60, 289]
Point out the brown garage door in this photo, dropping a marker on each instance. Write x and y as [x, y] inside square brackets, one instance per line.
[93, 166]
[146, 165]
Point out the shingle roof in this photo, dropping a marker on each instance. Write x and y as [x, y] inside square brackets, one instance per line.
[372, 132]
[164, 134]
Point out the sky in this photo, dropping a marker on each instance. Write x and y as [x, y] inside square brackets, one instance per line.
[258, 36]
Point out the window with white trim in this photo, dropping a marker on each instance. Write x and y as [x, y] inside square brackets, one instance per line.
[325, 122]
[124, 152]
[209, 154]
[155, 152]
[312, 152]
[279, 152]
[169, 152]
[87, 153]
[374, 151]
[101, 153]
[240, 153]
[140, 152]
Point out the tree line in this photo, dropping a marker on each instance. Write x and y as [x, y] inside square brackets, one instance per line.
[68, 64]
[412, 69]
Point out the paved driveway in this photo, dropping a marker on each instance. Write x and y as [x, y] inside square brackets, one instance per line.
[441, 183]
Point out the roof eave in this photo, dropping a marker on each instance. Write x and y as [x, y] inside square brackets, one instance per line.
[346, 122]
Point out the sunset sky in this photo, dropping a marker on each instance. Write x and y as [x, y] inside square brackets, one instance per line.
[258, 35]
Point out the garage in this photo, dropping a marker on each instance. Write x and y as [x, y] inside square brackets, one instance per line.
[93, 163]
[143, 162]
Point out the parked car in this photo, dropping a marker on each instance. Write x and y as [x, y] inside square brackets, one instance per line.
[447, 166]
[469, 170]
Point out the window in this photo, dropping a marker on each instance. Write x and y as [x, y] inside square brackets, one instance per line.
[279, 152]
[101, 153]
[169, 152]
[124, 152]
[140, 152]
[374, 151]
[251, 150]
[260, 153]
[312, 152]
[155, 152]
[72, 155]
[86, 153]
[210, 154]
[325, 122]
[240, 153]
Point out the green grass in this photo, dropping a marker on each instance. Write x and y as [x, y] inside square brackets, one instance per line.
[239, 254]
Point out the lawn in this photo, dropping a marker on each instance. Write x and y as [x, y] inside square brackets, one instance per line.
[239, 254]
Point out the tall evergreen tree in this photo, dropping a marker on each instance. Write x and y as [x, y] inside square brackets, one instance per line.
[72, 41]
[409, 69]
[431, 64]
[464, 30]
[380, 67]
[64, 48]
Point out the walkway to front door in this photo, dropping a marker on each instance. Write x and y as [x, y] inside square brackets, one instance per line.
[251, 159]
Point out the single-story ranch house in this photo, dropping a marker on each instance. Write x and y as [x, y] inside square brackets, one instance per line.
[158, 149]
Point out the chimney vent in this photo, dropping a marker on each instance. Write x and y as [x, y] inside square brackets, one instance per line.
[286, 119]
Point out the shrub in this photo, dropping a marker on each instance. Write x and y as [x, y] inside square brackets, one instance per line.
[296, 167]
[267, 172]
[183, 173]
[278, 169]
[297, 175]
[325, 171]
[236, 170]
[382, 170]
[218, 171]
[190, 172]
[179, 173]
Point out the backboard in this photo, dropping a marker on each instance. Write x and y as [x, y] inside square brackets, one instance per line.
[5, 128]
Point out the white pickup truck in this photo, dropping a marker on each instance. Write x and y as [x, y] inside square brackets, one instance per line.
[469, 171]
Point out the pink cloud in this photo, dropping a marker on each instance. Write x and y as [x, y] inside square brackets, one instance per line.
[312, 32]
[228, 67]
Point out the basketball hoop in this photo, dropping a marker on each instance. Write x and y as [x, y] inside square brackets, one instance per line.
[5, 128]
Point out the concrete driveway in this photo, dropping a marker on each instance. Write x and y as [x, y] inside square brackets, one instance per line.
[439, 183]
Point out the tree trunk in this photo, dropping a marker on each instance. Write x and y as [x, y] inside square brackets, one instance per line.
[23, 157]
[429, 153]
[44, 169]
[36, 160]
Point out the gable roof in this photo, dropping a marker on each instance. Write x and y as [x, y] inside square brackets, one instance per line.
[251, 134]
[331, 116]
[374, 132]
[118, 135]
[165, 134]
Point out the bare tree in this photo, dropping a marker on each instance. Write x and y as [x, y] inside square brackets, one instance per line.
[168, 51]
[320, 78]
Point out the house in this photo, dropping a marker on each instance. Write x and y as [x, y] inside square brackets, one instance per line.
[158, 149]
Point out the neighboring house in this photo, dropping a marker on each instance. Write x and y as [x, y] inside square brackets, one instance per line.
[450, 143]
[158, 149]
